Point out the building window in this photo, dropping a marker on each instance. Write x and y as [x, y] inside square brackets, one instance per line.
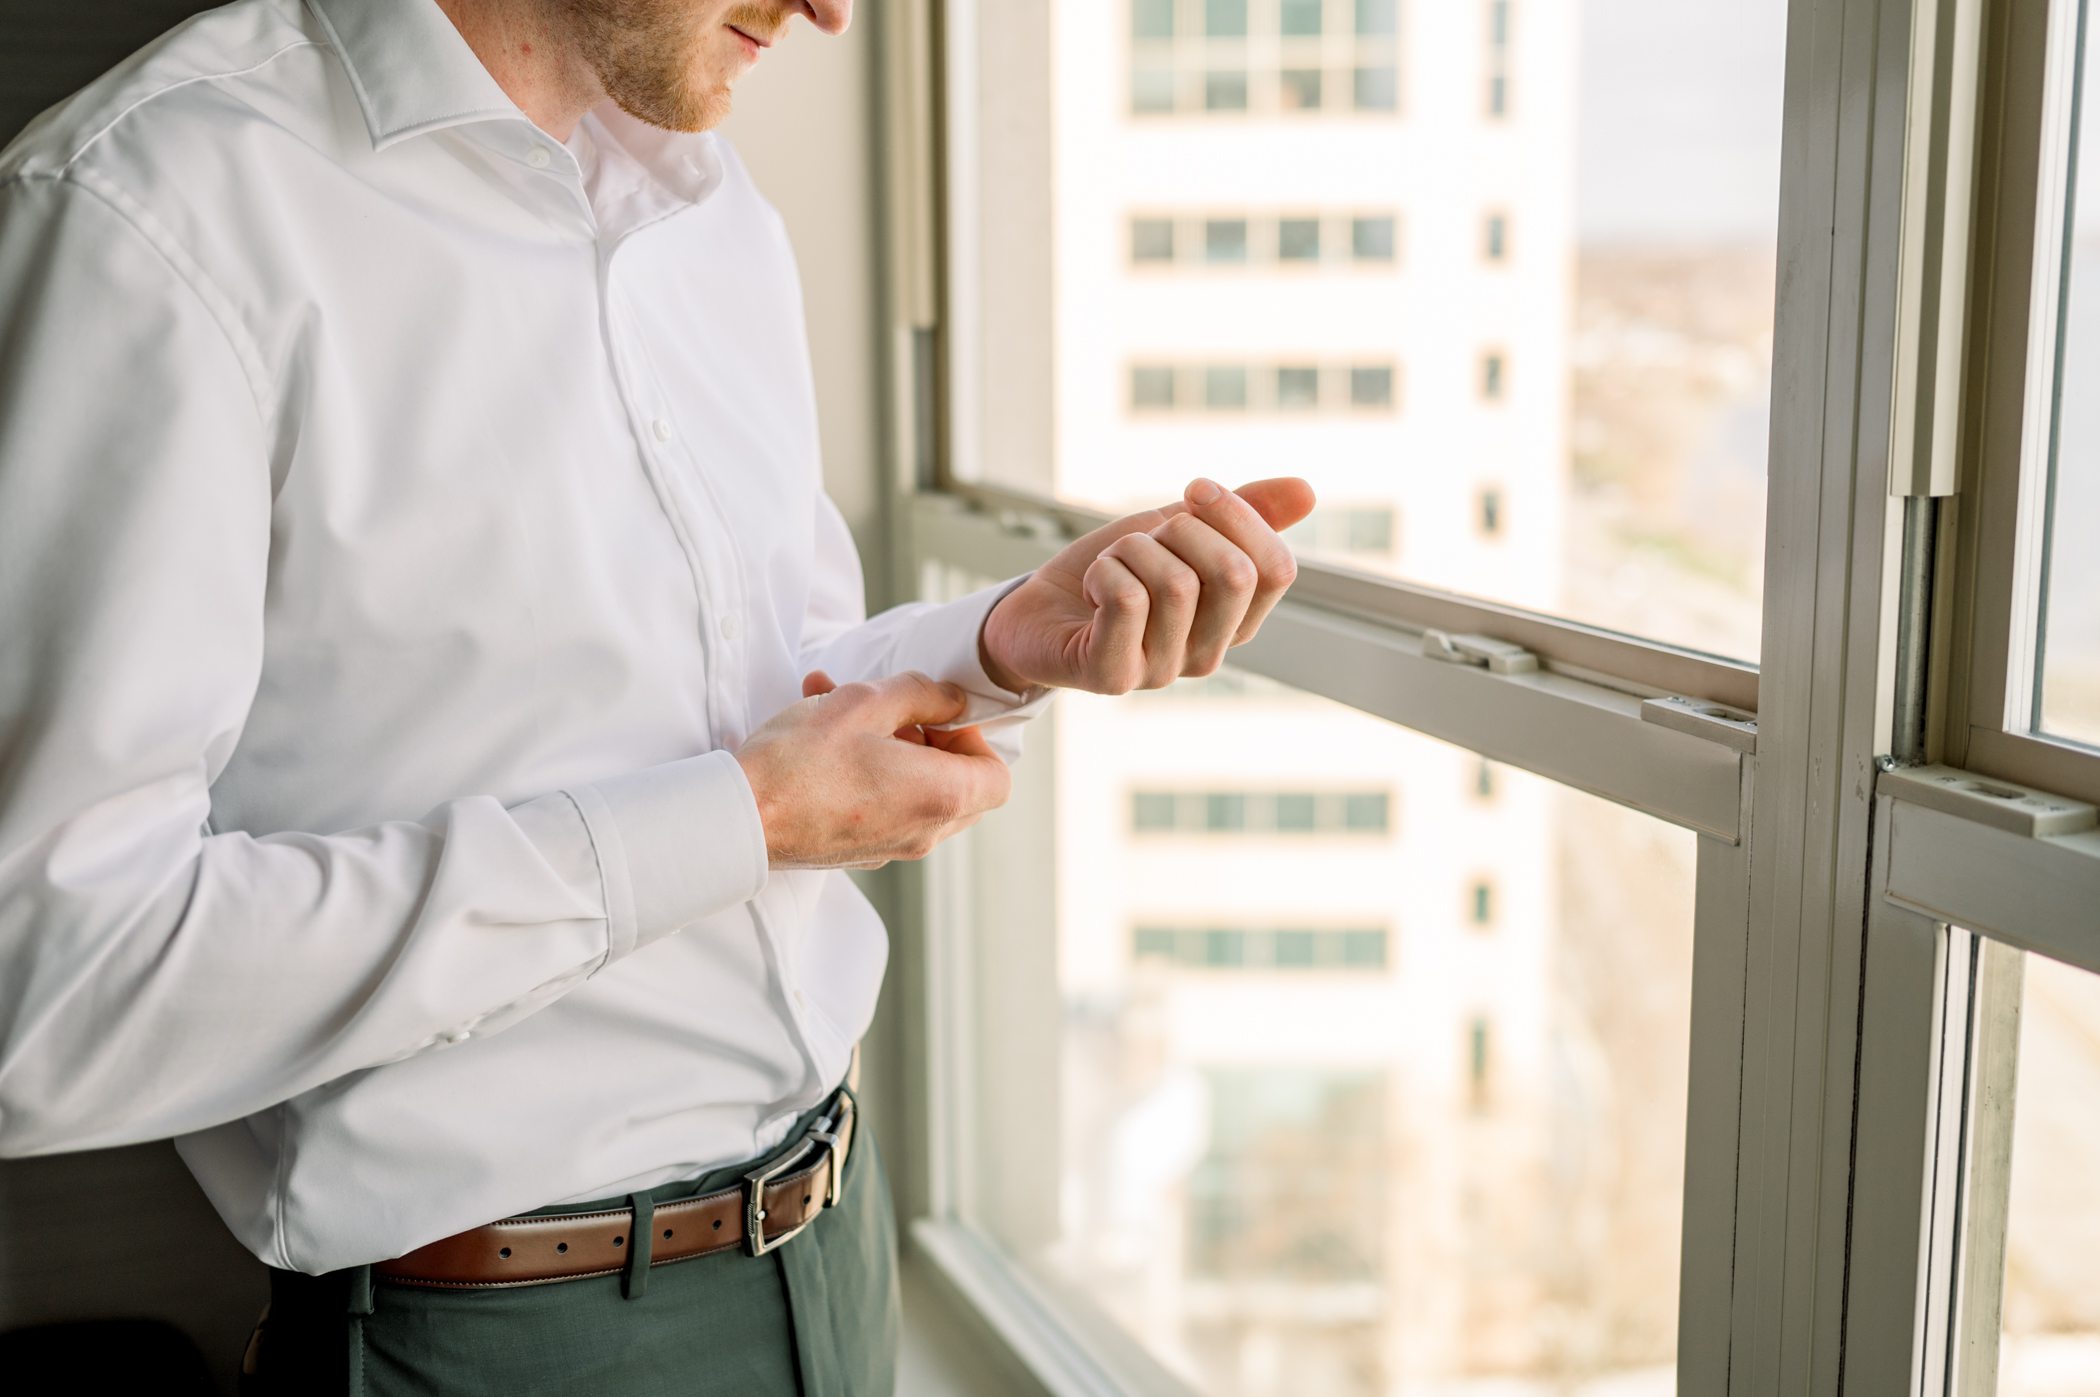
[1300, 90]
[1495, 237]
[1239, 813]
[1300, 18]
[1498, 59]
[1225, 90]
[1491, 512]
[1225, 387]
[1298, 240]
[1493, 378]
[1482, 901]
[1478, 1063]
[1377, 88]
[1225, 240]
[1225, 19]
[1151, 387]
[1371, 385]
[1286, 948]
[1371, 238]
[1484, 780]
[1291, 389]
[1297, 386]
[1152, 19]
[1358, 529]
[1377, 18]
[1151, 240]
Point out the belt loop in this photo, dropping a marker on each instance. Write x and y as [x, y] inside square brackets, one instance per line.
[634, 1281]
[360, 1291]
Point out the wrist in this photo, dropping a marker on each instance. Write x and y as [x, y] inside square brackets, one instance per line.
[761, 797]
[987, 657]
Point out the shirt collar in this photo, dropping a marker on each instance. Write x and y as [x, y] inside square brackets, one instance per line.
[413, 74]
[410, 68]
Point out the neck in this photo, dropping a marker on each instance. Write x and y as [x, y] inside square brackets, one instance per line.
[526, 50]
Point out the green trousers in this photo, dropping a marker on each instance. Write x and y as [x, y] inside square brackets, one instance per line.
[817, 1317]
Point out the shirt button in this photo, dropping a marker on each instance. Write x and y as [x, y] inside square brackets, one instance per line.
[729, 628]
[661, 428]
[458, 1035]
[538, 158]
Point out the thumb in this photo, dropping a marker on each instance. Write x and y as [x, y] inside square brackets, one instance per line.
[911, 697]
[1281, 500]
[816, 682]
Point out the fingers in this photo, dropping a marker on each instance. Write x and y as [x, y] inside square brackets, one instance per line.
[1233, 517]
[1229, 580]
[901, 699]
[1115, 658]
[816, 682]
[1172, 589]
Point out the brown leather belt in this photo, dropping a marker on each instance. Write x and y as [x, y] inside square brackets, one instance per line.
[772, 1204]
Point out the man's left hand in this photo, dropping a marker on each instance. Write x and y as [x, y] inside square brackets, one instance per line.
[1138, 603]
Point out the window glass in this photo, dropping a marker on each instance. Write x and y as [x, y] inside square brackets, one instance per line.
[1297, 387]
[1301, 89]
[1300, 17]
[2067, 691]
[1152, 19]
[1636, 324]
[1225, 240]
[1298, 239]
[2050, 1315]
[1225, 18]
[1151, 239]
[1371, 386]
[1152, 386]
[1225, 386]
[1295, 1121]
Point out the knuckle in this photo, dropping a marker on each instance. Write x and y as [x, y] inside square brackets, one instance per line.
[1181, 587]
[1237, 572]
[859, 691]
[1204, 665]
[1283, 570]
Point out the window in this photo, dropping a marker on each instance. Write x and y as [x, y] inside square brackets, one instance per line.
[1498, 58]
[1151, 239]
[1225, 386]
[1262, 947]
[1300, 18]
[1491, 385]
[1298, 240]
[1490, 505]
[1480, 898]
[1371, 238]
[1261, 812]
[1297, 386]
[1371, 385]
[1301, 90]
[1354, 529]
[1225, 240]
[1484, 779]
[1653, 466]
[1225, 18]
[1377, 88]
[1151, 386]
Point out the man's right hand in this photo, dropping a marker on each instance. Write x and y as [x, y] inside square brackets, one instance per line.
[852, 776]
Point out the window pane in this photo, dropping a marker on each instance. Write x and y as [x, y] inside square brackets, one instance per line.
[2067, 689]
[1301, 16]
[1371, 386]
[1297, 387]
[1152, 386]
[1225, 240]
[1371, 239]
[1338, 1141]
[1628, 439]
[1151, 88]
[1225, 90]
[1225, 17]
[1151, 239]
[1225, 386]
[1152, 19]
[1298, 239]
[2050, 1345]
[1300, 90]
[1377, 88]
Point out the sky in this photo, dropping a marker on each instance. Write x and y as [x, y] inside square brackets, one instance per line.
[1678, 132]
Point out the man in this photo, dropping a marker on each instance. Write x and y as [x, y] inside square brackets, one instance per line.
[435, 697]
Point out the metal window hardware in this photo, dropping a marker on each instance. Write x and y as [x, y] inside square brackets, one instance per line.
[1716, 722]
[1988, 801]
[1479, 651]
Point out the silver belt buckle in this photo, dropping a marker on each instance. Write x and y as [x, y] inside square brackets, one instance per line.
[822, 1137]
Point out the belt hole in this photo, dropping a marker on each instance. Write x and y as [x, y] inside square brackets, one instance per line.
[805, 1200]
[718, 1224]
[561, 1246]
[505, 1253]
[667, 1234]
[619, 1241]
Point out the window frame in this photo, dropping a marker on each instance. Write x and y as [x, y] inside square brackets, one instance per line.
[1826, 1043]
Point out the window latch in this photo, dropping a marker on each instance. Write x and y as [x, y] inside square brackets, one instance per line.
[1479, 651]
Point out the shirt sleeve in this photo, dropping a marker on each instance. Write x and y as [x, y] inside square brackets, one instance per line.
[157, 977]
[935, 638]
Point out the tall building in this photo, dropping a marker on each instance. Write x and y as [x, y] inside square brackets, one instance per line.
[1309, 1107]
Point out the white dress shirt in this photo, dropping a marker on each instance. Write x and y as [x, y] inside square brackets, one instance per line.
[402, 515]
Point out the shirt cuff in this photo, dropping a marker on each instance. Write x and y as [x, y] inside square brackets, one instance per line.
[943, 644]
[675, 843]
